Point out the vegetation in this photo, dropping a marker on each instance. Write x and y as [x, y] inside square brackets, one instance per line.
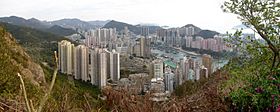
[254, 83]
[190, 87]
[67, 94]
[38, 25]
[125, 73]
[40, 45]
[203, 97]
[58, 30]
[207, 34]
[10, 58]
[14, 61]
[27, 35]
[71, 95]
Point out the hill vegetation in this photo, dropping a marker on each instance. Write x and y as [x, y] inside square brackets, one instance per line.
[40, 45]
[207, 34]
[38, 25]
[67, 95]
[254, 83]
[58, 30]
[32, 23]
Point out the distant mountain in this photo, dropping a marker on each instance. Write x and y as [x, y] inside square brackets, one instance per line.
[65, 27]
[30, 35]
[99, 23]
[73, 24]
[196, 29]
[120, 26]
[203, 33]
[58, 30]
[32, 23]
[133, 28]
[37, 24]
[207, 33]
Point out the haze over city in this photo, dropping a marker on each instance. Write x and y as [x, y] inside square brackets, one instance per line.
[206, 14]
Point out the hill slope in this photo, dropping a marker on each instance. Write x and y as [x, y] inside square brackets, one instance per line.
[37, 43]
[30, 35]
[37, 24]
[13, 60]
[32, 23]
[207, 33]
[133, 28]
[120, 26]
[99, 23]
[203, 33]
[67, 94]
[73, 24]
[196, 29]
[58, 30]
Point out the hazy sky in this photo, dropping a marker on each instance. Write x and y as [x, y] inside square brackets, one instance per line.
[206, 14]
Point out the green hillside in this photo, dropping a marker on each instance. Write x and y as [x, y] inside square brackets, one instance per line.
[67, 94]
[58, 30]
[37, 43]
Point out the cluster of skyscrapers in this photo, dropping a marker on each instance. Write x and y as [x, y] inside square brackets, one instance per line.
[95, 65]
[188, 68]
[97, 61]
[100, 37]
[216, 44]
[175, 37]
[186, 37]
[163, 78]
[191, 68]
[142, 47]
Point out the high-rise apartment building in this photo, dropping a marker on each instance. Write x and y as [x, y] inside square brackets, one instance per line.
[81, 63]
[178, 76]
[65, 57]
[203, 72]
[94, 66]
[145, 31]
[145, 47]
[100, 37]
[102, 68]
[98, 67]
[157, 68]
[190, 31]
[184, 67]
[108, 62]
[114, 65]
[169, 81]
[207, 62]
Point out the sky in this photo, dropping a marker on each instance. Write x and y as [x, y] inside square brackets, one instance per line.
[205, 14]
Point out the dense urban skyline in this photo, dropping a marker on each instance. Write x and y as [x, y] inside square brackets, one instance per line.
[173, 13]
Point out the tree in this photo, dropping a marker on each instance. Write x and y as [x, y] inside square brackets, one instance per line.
[262, 16]
[255, 74]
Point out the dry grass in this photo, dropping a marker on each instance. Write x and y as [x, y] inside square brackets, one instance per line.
[204, 100]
